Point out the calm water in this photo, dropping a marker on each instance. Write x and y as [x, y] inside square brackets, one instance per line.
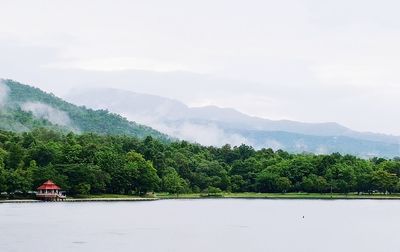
[202, 225]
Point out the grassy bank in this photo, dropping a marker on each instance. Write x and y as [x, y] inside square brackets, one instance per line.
[279, 196]
[247, 195]
[107, 196]
[250, 195]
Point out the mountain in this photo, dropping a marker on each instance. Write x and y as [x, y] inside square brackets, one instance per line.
[212, 125]
[24, 108]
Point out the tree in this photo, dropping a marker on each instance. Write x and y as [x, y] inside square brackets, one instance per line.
[173, 183]
[71, 150]
[298, 168]
[82, 189]
[364, 183]
[113, 163]
[182, 163]
[147, 178]
[267, 181]
[15, 156]
[384, 181]
[237, 183]
[84, 176]
[212, 172]
[248, 169]
[341, 177]
[244, 151]
[20, 180]
[314, 183]
[3, 177]
[283, 184]
[44, 154]
[390, 166]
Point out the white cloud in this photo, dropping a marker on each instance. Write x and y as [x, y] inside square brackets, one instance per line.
[322, 150]
[300, 60]
[273, 144]
[204, 134]
[359, 75]
[49, 113]
[118, 64]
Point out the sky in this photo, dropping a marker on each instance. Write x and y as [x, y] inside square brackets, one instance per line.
[311, 61]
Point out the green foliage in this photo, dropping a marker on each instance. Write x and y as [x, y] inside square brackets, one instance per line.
[341, 177]
[145, 176]
[268, 181]
[107, 164]
[173, 183]
[384, 181]
[3, 178]
[314, 183]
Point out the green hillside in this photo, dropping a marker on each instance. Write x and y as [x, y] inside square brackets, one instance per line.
[27, 108]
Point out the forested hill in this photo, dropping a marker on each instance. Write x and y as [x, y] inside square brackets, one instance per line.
[111, 155]
[23, 108]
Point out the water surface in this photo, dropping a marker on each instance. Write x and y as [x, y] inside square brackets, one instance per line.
[202, 225]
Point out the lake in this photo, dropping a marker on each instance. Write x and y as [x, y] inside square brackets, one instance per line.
[202, 225]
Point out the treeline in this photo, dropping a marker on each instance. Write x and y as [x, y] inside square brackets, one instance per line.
[95, 164]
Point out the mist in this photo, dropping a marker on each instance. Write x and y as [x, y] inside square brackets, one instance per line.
[53, 115]
[205, 134]
[4, 90]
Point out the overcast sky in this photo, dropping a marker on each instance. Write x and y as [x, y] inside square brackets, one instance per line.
[313, 61]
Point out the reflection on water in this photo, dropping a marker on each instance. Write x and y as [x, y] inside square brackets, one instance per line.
[202, 225]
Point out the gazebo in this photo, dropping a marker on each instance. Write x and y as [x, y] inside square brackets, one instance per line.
[49, 191]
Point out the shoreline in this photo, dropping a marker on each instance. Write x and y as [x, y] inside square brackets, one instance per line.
[288, 196]
[198, 196]
[80, 200]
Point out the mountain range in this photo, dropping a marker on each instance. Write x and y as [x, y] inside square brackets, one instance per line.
[211, 125]
[121, 112]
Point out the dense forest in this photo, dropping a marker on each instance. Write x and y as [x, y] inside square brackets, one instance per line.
[95, 164]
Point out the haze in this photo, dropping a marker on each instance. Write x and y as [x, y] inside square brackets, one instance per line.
[313, 61]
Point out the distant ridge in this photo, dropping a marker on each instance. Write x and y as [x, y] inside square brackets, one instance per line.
[227, 125]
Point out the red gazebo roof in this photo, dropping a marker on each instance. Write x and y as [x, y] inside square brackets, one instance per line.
[48, 185]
